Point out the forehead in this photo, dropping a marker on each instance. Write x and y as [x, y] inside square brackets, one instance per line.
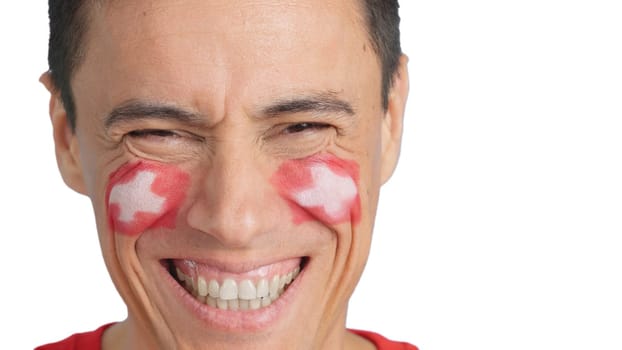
[228, 50]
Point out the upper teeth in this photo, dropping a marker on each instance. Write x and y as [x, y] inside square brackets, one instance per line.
[232, 295]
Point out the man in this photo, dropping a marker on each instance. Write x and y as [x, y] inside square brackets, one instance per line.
[233, 152]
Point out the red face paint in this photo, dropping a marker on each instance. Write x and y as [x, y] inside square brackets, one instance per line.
[321, 187]
[144, 195]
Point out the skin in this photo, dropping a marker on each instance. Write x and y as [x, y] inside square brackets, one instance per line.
[145, 196]
[321, 188]
[222, 65]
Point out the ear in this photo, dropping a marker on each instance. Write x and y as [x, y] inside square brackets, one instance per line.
[65, 139]
[392, 124]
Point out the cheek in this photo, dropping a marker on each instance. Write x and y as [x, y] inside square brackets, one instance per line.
[143, 195]
[322, 188]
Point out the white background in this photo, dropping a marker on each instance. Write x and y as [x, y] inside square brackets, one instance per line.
[500, 230]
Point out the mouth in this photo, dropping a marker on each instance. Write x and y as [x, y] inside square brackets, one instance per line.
[239, 291]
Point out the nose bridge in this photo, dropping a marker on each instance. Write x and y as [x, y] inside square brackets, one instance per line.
[230, 203]
[237, 177]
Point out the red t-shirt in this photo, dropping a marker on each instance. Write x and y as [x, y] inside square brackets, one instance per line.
[79, 341]
[383, 343]
[92, 341]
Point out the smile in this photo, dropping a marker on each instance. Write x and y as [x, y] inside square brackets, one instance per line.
[246, 291]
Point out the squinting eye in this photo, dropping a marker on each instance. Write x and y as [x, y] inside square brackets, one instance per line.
[300, 127]
[163, 144]
[153, 133]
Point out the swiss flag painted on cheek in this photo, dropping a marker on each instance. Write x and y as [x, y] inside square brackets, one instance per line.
[320, 188]
[143, 195]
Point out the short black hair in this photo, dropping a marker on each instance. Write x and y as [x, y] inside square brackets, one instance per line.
[383, 26]
[69, 26]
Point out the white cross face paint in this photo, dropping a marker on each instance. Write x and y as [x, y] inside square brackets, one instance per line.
[143, 195]
[321, 187]
[136, 196]
[332, 192]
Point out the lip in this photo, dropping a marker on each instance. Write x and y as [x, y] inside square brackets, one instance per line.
[236, 321]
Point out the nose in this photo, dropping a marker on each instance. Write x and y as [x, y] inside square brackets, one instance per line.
[234, 202]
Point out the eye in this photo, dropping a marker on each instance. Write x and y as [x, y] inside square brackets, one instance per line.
[163, 144]
[298, 139]
[300, 127]
[153, 133]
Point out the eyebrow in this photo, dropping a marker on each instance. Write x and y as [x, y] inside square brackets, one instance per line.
[324, 102]
[138, 110]
[134, 110]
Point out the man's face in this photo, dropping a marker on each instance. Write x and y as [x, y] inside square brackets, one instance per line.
[233, 152]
